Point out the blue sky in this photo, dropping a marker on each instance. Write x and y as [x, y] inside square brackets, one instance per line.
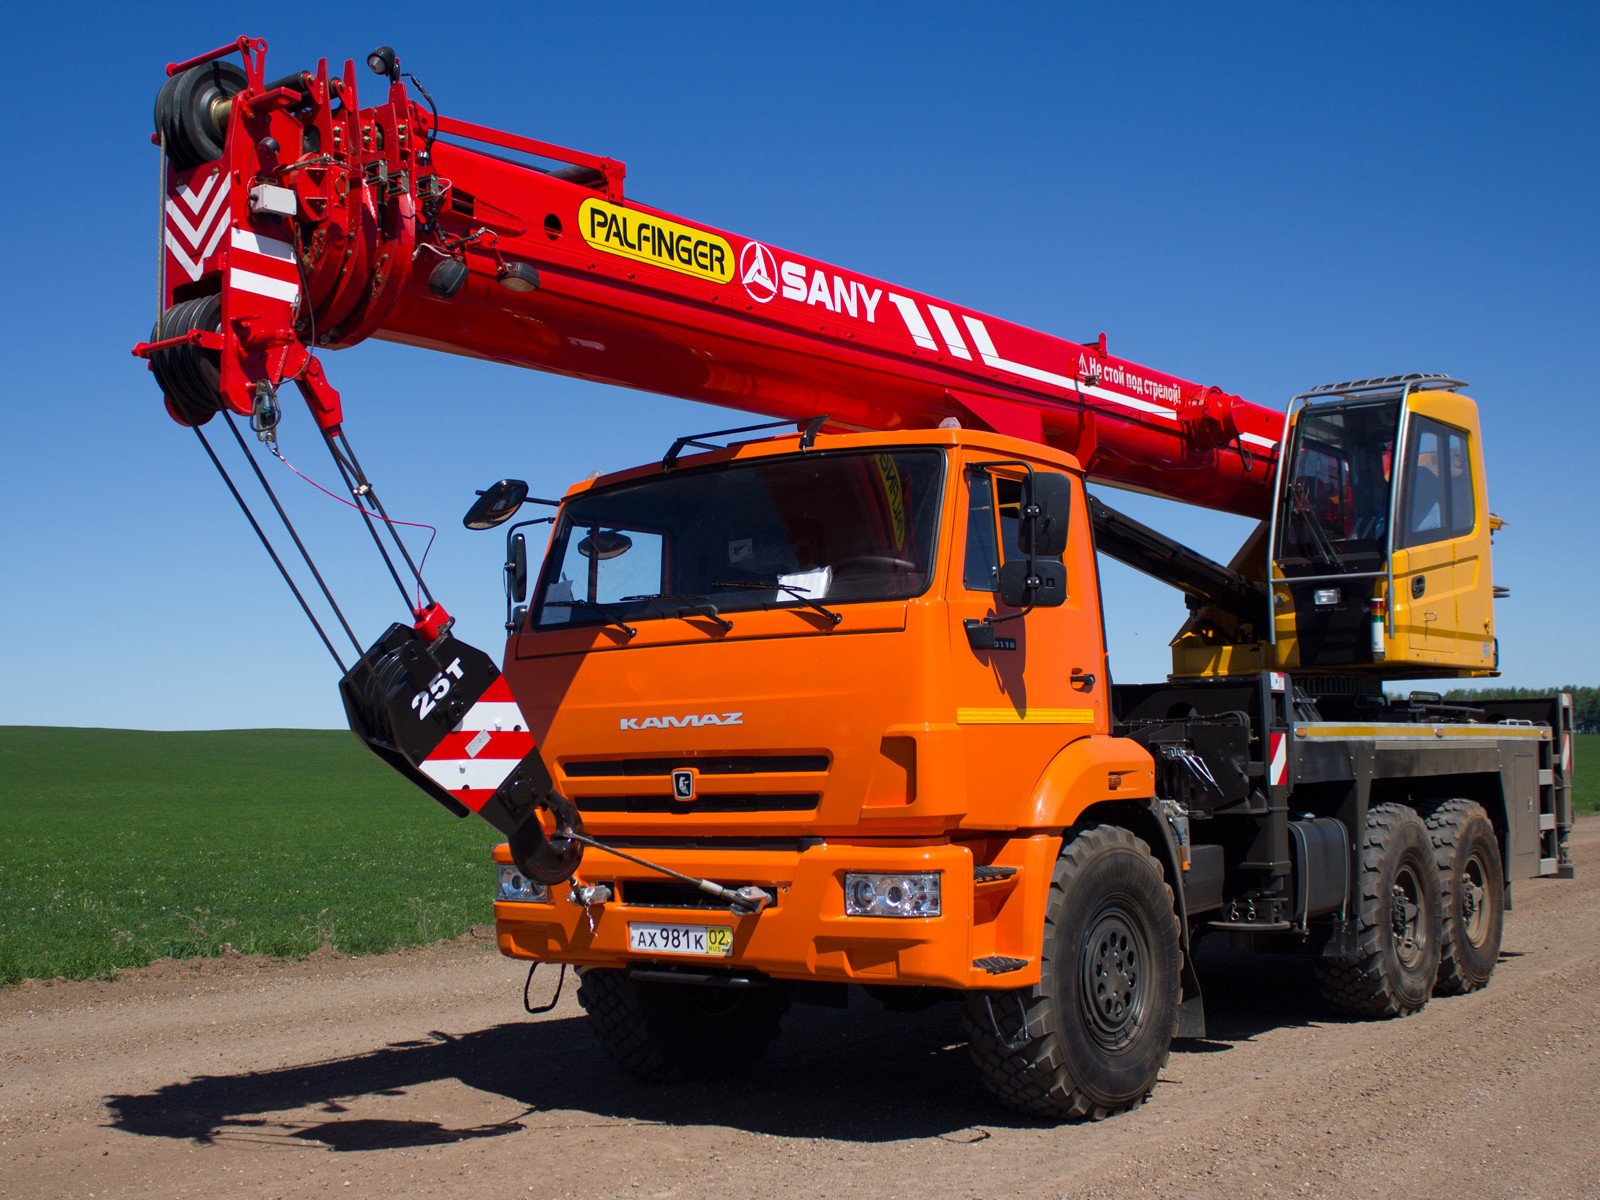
[1263, 197]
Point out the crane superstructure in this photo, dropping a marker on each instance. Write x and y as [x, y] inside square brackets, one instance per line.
[857, 671]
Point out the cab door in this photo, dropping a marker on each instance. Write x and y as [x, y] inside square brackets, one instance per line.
[1043, 682]
[1424, 558]
[1443, 591]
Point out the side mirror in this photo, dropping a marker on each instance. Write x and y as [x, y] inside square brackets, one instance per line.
[517, 569]
[496, 504]
[1046, 502]
[605, 543]
[1035, 583]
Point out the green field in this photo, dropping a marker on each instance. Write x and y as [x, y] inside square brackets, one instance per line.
[1586, 781]
[119, 847]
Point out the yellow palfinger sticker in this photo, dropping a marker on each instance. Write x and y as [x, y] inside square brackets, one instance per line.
[658, 241]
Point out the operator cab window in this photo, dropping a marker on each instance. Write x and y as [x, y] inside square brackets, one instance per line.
[1437, 503]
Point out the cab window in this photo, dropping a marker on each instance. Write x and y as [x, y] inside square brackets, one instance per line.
[994, 507]
[1437, 503]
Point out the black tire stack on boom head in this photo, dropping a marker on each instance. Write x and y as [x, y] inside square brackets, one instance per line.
[185, 112]
[190, 375]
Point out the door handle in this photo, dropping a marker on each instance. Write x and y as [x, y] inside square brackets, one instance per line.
[1080, 679]
[1419, 584]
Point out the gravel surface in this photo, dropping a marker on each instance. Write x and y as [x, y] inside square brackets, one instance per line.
[418, 1074]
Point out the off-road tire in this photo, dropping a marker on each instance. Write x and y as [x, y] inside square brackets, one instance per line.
[1399, 923]
[670, 1032]
[1472, 892]
[1100, 1022]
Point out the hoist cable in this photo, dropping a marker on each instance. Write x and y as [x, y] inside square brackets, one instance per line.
[267, 545]
[416, 571]
[361, 489]
[289, 526]
[433, 531]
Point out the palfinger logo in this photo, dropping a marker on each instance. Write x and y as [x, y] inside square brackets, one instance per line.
[758, 271]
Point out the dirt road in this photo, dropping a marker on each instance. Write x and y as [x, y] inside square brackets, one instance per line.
[417, 1074]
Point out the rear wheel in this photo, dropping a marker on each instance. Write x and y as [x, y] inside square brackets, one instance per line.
[1392, 969]
[1472, 894]
[1092, 1036]
[669, 1032]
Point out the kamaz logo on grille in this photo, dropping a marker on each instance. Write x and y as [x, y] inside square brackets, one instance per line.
[686, 721]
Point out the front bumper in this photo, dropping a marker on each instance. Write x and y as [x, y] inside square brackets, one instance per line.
[805, 934]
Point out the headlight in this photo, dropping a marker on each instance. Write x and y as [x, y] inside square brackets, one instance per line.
[512, 884]
[891, 895]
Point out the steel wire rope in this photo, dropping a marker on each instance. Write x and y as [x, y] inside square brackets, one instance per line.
[433, 530]
[267, 545]
[366, 489]
[289, 526]
[361, 488]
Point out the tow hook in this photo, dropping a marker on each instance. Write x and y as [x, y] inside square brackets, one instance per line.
[588, 895]
[746, 901]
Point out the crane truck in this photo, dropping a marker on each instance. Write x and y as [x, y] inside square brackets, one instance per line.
[826, 701]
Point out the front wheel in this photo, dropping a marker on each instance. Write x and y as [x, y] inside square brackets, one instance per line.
[1091, 1037]
[670, 1032]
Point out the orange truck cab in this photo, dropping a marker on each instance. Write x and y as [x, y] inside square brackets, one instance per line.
[829, 668]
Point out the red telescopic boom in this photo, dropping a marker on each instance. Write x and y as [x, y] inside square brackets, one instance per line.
[296, 221]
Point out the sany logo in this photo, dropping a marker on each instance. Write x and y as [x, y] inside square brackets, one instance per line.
[757, 270]
[764, 277]
[687, 721]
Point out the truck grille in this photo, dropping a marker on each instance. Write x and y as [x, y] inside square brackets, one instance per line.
[743, 764]
[638, 893]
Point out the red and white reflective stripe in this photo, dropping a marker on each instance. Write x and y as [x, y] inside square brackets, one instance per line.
[263, 265]
[475, 757]
[1566, 734]
[1280, 681]
[1279, 771]
[195, 223]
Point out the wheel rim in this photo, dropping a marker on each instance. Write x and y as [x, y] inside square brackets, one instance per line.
[1406, 918]
[1474, 900]
[1113, 968]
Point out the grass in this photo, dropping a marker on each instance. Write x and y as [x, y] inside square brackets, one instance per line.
[1586, 779]
[119, 847]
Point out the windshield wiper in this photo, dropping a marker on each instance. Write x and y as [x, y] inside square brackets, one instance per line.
[774, 585]
[688, 606]
[1323, 544]
[605, 610]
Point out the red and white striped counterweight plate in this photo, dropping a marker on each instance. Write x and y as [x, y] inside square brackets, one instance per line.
[475, 757]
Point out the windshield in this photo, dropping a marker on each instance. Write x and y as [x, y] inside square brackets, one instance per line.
[1335, 510]
[809, 529]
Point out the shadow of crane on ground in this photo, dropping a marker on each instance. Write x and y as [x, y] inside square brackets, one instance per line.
[859, 1075]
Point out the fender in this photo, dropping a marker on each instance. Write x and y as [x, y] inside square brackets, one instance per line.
[1095, 769]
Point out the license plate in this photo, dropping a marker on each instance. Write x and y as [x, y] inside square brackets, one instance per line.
[714, 941]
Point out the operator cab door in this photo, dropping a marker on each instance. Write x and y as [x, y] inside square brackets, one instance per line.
[1442, 589]
[1018, 703]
